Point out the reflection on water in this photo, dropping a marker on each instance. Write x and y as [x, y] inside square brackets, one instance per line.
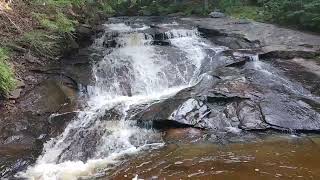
[284, 157]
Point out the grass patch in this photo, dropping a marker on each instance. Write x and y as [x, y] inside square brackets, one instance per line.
[43, 44]
[58, 23]
[245, 12]
[7, 80]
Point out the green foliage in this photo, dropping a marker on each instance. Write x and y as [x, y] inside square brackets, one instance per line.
[7, 80]
[161, 8]
[225, 4]
[59, 23]
[107, 8]
[245, 12]
[301, 13]
[61, 3]
[42, 43]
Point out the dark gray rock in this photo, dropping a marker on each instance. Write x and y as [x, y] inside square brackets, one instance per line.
[84, 30]
[192, 112]
[289, 54]
[289, 113]
[271, 37]
[234, 42]
[250, 116]
[159, 110]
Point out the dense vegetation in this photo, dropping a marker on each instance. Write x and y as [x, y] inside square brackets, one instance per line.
[301, 13]
[54, 22]
[7, 81]
[304, 14]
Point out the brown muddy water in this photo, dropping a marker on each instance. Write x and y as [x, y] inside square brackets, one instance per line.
[275, 157]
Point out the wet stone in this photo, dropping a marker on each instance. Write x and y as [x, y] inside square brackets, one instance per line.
[191, 112]
[250, 116]
[283, 111]
[206, 125]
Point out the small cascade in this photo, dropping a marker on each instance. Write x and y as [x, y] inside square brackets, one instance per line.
[274, 78]
[132, 73]
[180, 33]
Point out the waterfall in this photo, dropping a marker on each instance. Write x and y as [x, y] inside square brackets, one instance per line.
[135, 72]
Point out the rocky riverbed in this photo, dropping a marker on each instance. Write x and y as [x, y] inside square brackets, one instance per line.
[241, 81]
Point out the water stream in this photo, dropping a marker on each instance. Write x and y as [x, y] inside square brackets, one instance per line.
[134, 73]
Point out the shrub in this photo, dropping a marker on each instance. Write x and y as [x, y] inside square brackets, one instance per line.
[162, 8]
[300, 13]
[61, 3]
[7, 81]
[107, 8]
[305, 14]
[245, 12]
[58, 23]
[42, 43]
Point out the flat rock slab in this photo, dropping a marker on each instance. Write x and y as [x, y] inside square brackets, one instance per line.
[290, 113]
[270, 36]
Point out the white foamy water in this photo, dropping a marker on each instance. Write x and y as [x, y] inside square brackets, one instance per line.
[132, 74]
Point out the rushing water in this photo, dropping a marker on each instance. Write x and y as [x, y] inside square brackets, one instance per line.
[134, 72]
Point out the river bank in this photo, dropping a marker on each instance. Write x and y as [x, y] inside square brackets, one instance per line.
[46, 83]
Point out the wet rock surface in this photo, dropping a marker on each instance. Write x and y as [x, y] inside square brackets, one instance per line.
[236, 92]
[270, 36]
[45, 102]
[243, 92]
[27, 129]
[289, 113]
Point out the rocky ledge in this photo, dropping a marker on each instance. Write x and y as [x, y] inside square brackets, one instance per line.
[269, 78]
[270, 82]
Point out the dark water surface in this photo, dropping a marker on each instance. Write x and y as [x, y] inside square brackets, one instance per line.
[276, 157]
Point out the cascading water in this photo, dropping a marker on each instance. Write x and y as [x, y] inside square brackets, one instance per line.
[134, 73]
